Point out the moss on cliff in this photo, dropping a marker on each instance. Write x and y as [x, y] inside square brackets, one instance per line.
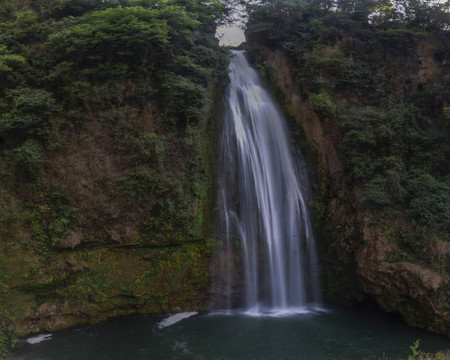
[369, 90]
[106, 131]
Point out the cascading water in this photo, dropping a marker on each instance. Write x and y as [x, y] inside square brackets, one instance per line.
[263, 201]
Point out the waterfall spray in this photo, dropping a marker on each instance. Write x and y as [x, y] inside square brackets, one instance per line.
[263, 202]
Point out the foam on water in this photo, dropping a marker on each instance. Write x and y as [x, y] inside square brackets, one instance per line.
[262, 312]
[277, 312]
[39, 338]
[173, 319]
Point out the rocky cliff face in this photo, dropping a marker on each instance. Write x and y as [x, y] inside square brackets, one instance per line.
[106, 160]
[86, 246]
[355, 245]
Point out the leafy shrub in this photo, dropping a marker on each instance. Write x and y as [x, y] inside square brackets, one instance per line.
[447, 112]
[184, 98]
[400, 256]
[29, 159]
[131, 36]
[34, 101]
[64, 8]
[441, 355]
[211, 57]
[375, 193]
[9, 310]
[415, 350]
[8, 339]
[359, 141]
[30, 111]
[323, 103]
[26, 25]
[50, 221]
[400, 41]
[429, 202]
[148, 149]
[139, 183]
[9, 61]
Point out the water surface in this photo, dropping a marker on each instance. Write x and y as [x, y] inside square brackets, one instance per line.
[334, 334]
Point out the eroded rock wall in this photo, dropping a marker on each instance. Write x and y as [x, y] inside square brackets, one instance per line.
[353, 244]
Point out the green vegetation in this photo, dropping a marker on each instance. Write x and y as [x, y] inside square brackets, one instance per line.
[369, 87]
[415, 350]
[417, 354]
[105, 151]
[323, 104]
[441, 355]
[380, 69]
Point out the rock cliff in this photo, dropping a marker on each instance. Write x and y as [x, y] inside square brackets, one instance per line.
[107, 137]
[355, 245]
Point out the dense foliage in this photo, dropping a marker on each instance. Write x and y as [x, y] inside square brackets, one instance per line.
[381, 69]
[103, 143]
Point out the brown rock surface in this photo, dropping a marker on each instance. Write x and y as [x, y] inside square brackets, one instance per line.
[358, 262]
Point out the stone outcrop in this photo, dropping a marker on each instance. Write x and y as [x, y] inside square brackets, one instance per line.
[354, 249]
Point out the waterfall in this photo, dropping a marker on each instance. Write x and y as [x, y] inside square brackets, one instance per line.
[263, 200]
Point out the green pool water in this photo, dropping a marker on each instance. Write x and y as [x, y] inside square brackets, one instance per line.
[331, 333]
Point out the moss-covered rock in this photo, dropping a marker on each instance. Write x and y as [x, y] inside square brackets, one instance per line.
[107, 137]
[361, 252]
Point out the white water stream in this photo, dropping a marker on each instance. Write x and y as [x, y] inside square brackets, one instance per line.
[263, 202]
